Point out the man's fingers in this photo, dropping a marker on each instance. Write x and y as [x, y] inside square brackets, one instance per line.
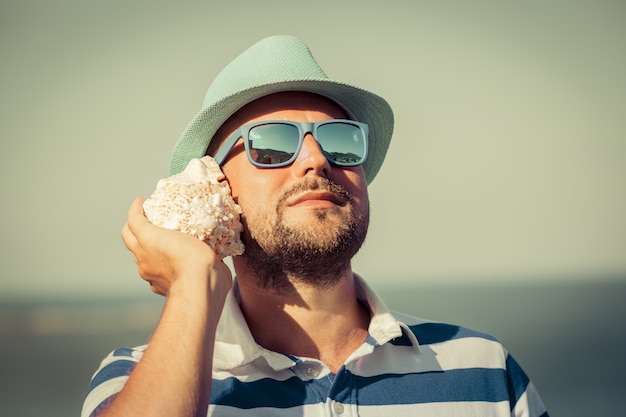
[137, 231]
[136, 217]
[129, 239]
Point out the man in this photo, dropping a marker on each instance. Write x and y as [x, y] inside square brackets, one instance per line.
[297, 333]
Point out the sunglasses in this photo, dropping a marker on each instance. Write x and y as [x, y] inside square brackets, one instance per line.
[276, 143]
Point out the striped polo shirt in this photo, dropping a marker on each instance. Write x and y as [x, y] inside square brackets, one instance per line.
[406, 367]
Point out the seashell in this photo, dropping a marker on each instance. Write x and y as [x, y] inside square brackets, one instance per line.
[198, 201]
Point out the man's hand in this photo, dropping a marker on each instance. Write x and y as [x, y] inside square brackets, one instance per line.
[165, 256]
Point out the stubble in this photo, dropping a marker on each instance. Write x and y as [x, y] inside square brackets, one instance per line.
[279, 252]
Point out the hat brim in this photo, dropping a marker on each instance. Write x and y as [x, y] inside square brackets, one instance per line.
[364, 105]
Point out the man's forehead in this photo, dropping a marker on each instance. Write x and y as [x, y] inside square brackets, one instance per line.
[287, 100]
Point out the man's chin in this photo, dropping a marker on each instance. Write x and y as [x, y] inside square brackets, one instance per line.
[318, 216]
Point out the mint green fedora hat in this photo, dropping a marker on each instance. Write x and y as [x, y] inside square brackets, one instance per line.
[272, 65]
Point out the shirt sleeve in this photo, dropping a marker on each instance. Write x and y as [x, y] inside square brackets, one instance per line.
[524, 398]
[109, 379]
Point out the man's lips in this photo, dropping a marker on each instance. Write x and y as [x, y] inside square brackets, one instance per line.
[316, 196]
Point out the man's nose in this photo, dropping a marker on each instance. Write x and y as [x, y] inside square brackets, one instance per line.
[311, 159]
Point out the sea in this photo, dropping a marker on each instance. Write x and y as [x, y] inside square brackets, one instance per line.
[570, 338]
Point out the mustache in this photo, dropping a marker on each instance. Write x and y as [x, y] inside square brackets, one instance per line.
[315, 184]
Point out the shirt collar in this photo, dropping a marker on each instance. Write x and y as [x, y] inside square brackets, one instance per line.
[384, 326]
[235, 346]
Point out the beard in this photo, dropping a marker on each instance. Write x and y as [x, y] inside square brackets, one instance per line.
[279, 253]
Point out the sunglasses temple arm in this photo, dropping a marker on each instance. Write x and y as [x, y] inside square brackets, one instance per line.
[225, 149]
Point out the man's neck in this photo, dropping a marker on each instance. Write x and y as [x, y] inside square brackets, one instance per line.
[322, 323]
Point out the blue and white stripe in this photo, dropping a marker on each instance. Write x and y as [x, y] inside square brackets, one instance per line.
[406, 367]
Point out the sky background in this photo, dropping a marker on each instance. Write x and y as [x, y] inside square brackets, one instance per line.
[508, 161]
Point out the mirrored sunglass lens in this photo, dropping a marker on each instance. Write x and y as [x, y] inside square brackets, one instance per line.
[343, 143]
[272, 144]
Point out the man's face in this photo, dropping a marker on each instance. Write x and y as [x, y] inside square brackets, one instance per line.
[305, 220]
